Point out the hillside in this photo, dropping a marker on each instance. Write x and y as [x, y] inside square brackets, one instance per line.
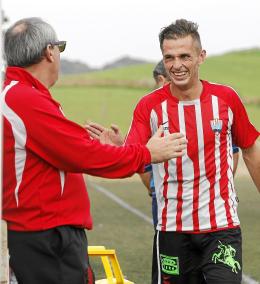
[238, 69]
[74, 67]
[123, 61]
[78, 67]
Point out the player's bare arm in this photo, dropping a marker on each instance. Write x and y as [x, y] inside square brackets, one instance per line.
[146, 178]
[235, 162]
[251, 157]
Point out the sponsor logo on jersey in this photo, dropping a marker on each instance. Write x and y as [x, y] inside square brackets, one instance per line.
[165, 125]
[216, 125]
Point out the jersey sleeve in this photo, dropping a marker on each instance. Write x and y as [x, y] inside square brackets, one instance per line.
[244, 133]
[139, 131]
[68, 147]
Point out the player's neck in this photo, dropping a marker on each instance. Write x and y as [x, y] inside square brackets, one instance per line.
[187, 93]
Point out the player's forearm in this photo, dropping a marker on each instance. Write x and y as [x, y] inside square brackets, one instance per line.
[254, 172]
[145, 178]
[235, 162]
[251, 157]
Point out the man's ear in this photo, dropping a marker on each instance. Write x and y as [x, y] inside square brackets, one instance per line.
[49, 53]
[203, 55]
[160, 80]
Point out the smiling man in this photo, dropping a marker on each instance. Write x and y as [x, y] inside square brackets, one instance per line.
[198, 226]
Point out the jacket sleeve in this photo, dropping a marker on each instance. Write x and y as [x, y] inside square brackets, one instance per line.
[68, 147]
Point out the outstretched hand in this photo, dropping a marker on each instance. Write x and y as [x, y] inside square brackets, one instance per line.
[105, 135]
[167, 147]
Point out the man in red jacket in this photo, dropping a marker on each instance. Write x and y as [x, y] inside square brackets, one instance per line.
[45, 201]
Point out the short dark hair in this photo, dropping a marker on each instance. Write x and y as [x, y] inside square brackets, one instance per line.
[159, 70]
[179, 29]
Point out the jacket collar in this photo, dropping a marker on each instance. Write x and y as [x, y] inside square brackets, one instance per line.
[23, 76]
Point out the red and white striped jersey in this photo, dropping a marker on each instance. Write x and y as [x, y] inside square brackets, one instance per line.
[195, 193]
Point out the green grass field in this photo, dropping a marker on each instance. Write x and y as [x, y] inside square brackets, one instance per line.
[110, 97]
[115, 227]
[101, 104]
[133, 75]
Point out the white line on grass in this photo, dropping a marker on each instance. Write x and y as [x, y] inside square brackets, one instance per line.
[245, 278]
[248, 280]
[122, 203]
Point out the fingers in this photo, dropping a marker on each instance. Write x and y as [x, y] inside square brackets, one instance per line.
[159, 132]
[176, 135]
[179, 141]
[110, 136]
[93, 135]
[167, 147]
[98, 127]
[94, 129]
[93, 132]
[104, 137]
[115, 128]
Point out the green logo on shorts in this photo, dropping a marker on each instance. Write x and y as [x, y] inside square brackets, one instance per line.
[226, 255]
[170, 264]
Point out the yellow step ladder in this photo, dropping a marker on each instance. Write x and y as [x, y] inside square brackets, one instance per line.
[111, 265]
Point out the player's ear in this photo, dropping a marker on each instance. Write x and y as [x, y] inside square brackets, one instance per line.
[202, 56]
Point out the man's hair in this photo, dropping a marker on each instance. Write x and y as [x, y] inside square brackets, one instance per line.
[159, 70]
[179, 29]
[26, 41]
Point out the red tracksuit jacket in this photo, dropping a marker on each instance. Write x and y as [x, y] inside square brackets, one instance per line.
[44, 156]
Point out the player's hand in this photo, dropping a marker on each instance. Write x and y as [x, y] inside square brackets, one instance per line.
[94, 129]
[110, 136]
[167, 147]
[116, 135]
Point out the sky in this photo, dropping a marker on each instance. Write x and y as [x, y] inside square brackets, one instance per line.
[101, 31]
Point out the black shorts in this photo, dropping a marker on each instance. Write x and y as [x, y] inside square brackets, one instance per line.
[212, 258]
[55, 256]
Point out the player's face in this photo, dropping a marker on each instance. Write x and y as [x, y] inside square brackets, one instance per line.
[182, 58]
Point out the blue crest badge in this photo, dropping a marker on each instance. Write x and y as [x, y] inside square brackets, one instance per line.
[216, 125]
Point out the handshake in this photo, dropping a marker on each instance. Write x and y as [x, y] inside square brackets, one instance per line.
[162, 148]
